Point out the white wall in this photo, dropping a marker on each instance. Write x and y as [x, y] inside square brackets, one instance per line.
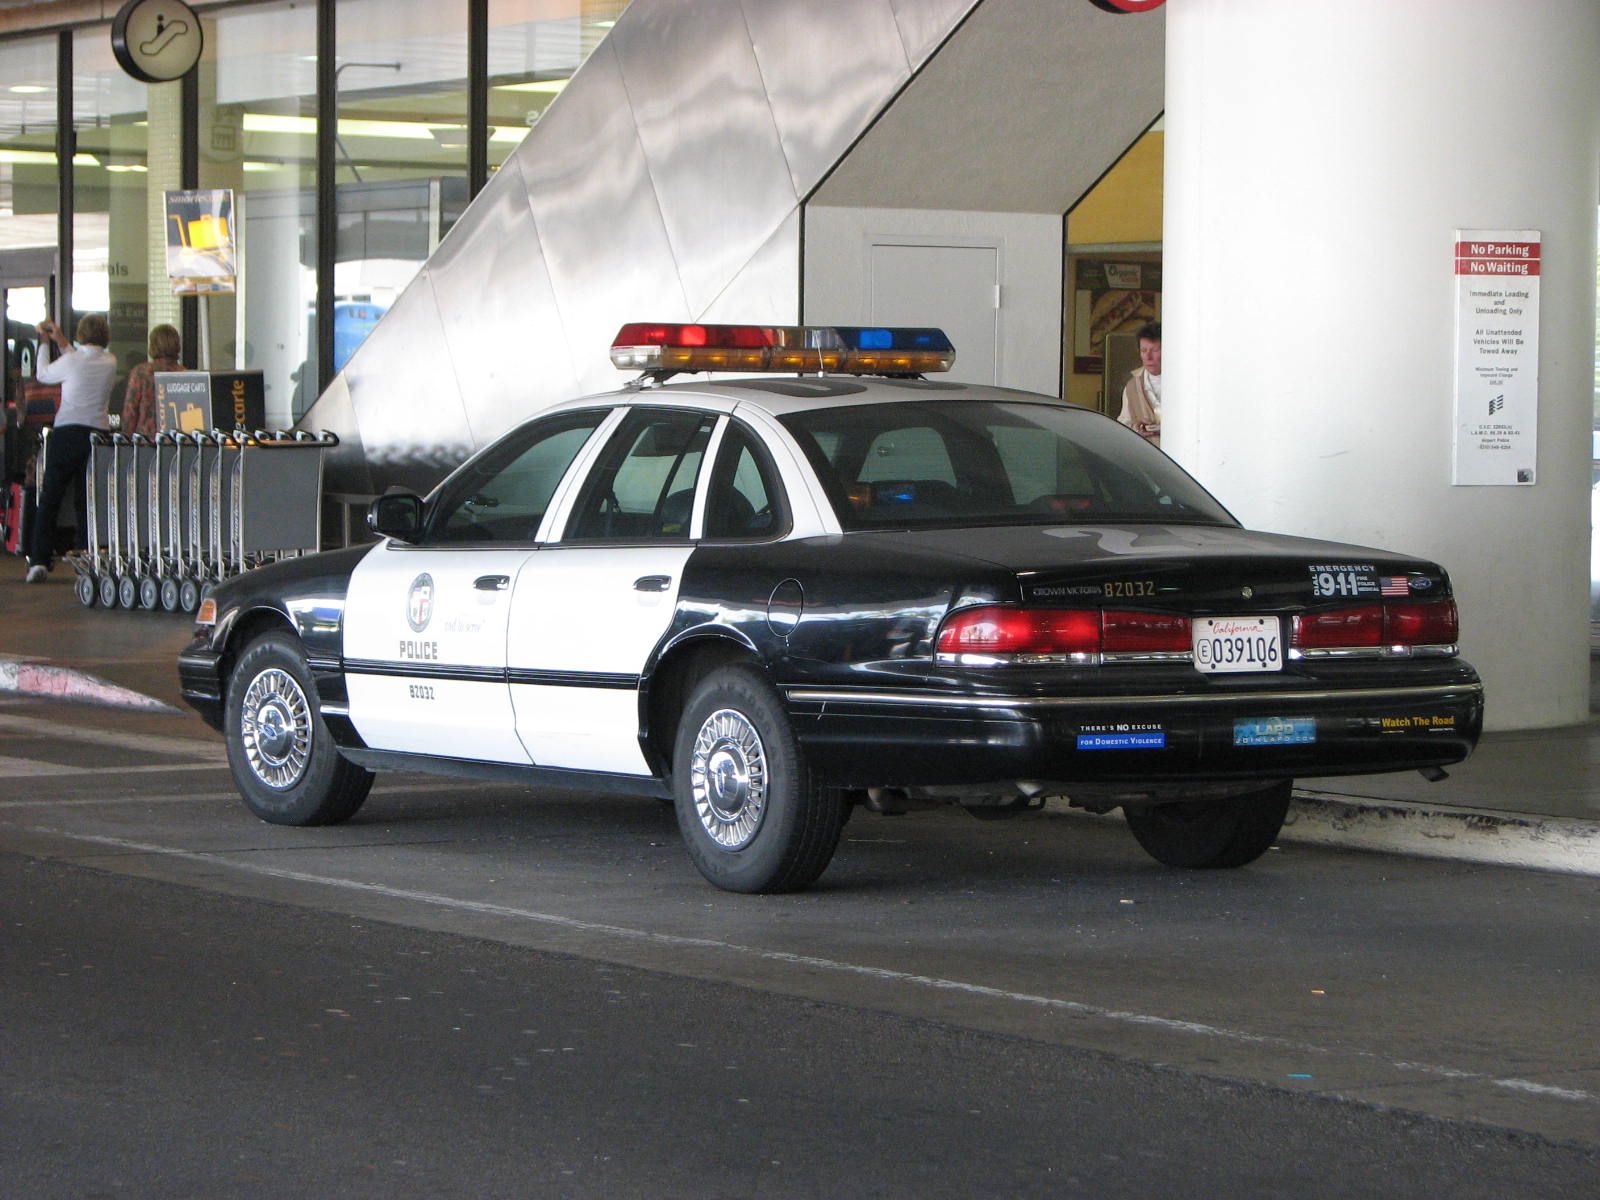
[1319, 157]
[838, 242]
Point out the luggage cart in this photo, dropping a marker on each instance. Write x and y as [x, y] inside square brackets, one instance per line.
[275, 493]
[95, 567]
[170, 489]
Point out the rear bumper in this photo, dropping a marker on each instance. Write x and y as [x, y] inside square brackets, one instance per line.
[904, 739]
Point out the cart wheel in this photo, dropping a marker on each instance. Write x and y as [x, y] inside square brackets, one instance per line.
[108, 591]
[188, 595]
[87, 592]
[169, 595]
[149, 593]
[127, 591]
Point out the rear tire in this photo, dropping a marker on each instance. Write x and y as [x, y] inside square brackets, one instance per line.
[284, 762]
[1228, 831]
[752, 815]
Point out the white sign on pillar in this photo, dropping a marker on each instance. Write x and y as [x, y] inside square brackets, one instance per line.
[1497, 357]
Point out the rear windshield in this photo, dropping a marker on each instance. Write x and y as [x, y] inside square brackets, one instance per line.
[988, 462]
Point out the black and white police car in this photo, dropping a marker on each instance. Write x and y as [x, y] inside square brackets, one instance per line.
[774, 598]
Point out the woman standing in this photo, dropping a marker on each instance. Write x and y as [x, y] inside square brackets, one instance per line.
[139, 401]
[85, 372]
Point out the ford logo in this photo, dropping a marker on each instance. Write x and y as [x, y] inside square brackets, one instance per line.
[1421, 584]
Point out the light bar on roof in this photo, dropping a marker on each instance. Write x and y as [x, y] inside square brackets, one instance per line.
[851, 350]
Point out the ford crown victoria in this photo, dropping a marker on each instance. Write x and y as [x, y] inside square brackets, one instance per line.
[774, 599]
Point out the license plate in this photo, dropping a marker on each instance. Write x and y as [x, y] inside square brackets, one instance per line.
[1224, 645]
[1274, 731]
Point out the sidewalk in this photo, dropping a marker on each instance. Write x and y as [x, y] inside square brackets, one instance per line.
[1525, 799]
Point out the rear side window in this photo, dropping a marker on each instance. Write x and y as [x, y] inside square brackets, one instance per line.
[643, 487]
[984, 462]
[745, 501]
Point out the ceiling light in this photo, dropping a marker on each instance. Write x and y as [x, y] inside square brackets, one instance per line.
[604, 24]
[548, 86]
[28, 89]
[122, 168]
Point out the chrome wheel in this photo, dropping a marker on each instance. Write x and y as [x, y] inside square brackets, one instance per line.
[275, 728]
[728, 778]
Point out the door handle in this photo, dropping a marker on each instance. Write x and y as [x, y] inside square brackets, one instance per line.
[652, 583]
[492, 583]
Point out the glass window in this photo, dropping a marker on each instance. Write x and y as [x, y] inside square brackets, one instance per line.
[642, 489]
[257, 135]
[502, 495]
[27, 200]
[117, 187]
[534, 47]
[401, 155]
[1012, 463]
[28, 143]
[744, 500]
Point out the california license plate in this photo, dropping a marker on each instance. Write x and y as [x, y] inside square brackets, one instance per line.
[1225, 645]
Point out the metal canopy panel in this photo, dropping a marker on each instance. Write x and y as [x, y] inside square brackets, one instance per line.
[406, 399]
[662, 184]
[926, 23]
[1033, 98]
[500, 269]
[768, 289]
[827, 66]
[345, 466]
[599, 224]
[713, 228]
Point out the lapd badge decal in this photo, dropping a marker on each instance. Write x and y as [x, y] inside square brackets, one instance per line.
[419, 602]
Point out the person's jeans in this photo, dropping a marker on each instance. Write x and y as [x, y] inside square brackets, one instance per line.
[65, 464]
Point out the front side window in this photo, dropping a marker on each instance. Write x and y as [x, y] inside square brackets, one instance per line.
[502, 494]
[642, 489]
[988, 462]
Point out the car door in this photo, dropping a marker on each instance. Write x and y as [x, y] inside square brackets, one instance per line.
[425, 624]
[588, 610]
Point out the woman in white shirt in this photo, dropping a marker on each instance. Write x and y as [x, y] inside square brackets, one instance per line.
[86, 373]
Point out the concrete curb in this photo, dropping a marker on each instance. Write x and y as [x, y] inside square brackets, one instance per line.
[1505, 839]
[47, 682]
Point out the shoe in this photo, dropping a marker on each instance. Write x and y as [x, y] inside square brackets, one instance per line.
[36, 573]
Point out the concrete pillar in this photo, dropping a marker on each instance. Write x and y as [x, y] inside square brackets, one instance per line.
[1320, 156]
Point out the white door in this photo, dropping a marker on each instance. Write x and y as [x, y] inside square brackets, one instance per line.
[588, 610]
[955, 288]
[425, 624]
[425, 651]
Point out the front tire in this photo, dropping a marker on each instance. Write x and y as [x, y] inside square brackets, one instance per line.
[284, 762]
[1227, 831]
[752, 815]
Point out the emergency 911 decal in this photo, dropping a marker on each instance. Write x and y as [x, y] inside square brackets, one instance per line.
[1344, 580]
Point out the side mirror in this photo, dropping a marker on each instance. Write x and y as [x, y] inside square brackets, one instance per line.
[397, 515]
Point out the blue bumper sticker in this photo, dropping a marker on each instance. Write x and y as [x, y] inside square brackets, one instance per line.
[1274, 731]
[1140, 740]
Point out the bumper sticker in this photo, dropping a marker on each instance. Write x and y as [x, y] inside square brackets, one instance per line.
[1121, 736]
[1274, 731]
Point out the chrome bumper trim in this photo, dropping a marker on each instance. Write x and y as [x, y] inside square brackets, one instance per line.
[335, 710]
[1409, 695]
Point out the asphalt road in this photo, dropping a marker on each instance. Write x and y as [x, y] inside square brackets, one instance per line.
[473, 991]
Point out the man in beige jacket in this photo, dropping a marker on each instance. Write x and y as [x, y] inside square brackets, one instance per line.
[1141, 398]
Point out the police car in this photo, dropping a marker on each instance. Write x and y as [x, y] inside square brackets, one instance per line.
[832, 583]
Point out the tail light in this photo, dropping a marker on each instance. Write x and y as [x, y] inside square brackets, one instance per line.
[1430, 624]
[997, 634]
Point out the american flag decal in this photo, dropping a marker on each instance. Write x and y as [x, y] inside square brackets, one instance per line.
[1393, 585]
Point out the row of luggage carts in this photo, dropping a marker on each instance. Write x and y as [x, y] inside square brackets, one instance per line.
[170, 516]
